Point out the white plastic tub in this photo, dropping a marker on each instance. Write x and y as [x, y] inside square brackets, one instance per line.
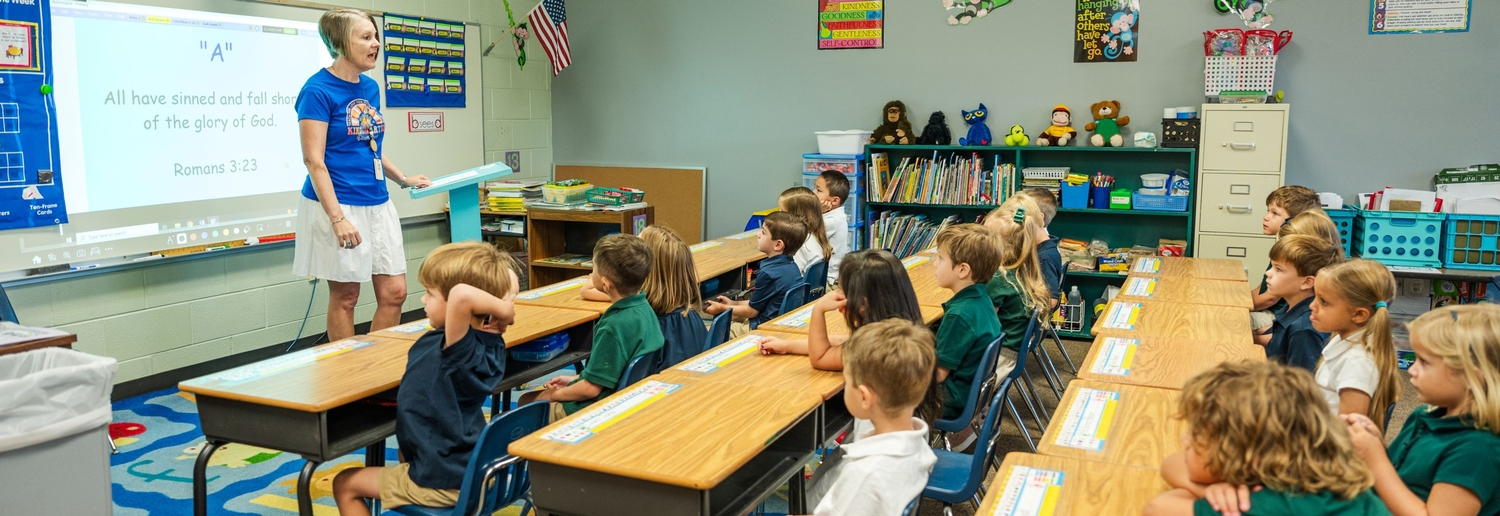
[1154, 181]
[843, 142]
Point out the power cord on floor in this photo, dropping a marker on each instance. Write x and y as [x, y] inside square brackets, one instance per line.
[310, 297]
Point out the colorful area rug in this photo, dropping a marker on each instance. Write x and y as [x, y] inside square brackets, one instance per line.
[158, 438]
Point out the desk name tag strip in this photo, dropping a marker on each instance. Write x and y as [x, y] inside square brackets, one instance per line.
[1122, 316]
[553, 289]
[1116, 356]
[723, 355]
[1140, 287]
[411, 328]
[705, 245]
[911, 262]
[797, 319]
[1147, 265]
[603, 415]
[286, 363]
[1030, 492]
[1087, 423]
[743, 236]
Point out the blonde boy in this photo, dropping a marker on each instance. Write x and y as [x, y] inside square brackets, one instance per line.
[1282, 204]
[1295, 262]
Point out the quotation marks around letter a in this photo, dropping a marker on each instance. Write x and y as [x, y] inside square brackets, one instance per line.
[219, 50]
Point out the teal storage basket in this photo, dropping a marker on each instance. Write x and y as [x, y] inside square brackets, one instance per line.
[1408, 239]
[1472, 242]
[1343, 219]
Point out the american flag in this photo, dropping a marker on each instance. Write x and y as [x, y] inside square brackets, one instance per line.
[549, 21]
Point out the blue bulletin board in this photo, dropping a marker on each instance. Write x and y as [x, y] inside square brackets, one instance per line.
[31, 192]
[424, 62]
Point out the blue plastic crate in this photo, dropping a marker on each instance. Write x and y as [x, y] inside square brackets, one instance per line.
[541, 350]
[1143, 202]
[1074, 196]
[1471, 241]
[1344, 220]
[1400, 238]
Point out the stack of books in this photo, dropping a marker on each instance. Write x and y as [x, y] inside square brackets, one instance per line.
[1044, 177]
[905, 235]
[956, 180]
[510, 195]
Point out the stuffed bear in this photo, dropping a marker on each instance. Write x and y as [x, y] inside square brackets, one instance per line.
[1061, 131]
[894, 128]
[1106, 125]
[936, 132]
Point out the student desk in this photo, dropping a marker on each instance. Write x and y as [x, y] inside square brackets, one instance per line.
[1178, 289]
[1188, 321]
[740, 246]
[532, 322]
[1201, 268]
[61, 341]
[1164, 362]
[924, 281]
[1082, 488]
[309, 402]
[564, 294]
[1119, 424]
[704, 448]
[740, 362]
[798, 321]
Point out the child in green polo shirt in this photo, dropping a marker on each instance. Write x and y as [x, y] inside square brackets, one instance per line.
[967, 257]
[626, 330]
[1263, 425]
[1446, 460]
[1018, 288]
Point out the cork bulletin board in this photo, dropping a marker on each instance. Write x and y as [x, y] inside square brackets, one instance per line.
[677, 193]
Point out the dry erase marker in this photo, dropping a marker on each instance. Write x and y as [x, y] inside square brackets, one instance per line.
[217, 248]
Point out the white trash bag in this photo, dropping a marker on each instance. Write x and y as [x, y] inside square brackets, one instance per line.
[51, 393]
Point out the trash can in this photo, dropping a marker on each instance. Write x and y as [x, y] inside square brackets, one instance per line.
[54, 437]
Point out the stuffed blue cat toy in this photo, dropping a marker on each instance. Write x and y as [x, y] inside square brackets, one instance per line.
[979, 134]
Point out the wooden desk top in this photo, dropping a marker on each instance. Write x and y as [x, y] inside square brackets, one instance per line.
[835, 320]
[786, 372]
[1201, 268]
[314, 379]
[532, 321]
[565, 294]
[1188, 321]
[1140, 430]
[1087, 488]
[709, 265]
[62, 341]
[1163, 362]
[739, 246]
[690, 437]
[924, 281]
[1180, 289]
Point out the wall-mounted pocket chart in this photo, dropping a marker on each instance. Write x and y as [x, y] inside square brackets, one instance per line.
[424, 62]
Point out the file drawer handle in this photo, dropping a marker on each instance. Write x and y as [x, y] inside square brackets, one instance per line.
[1239, 145]
[1236, 252]
[1239, 209]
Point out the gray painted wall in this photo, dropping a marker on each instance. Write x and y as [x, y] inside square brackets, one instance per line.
[738, 87]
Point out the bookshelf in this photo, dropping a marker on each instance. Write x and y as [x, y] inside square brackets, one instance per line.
[554, 233]
[1120, 228]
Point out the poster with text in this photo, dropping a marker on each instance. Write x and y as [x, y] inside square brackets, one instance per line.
[1107, 31]
[844, 25]
[1419, 16]
[31, 192]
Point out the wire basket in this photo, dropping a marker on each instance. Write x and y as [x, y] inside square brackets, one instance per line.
[1238, 73]
[1069, 318]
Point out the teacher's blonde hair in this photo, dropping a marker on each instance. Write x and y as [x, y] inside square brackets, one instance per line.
[336, 26]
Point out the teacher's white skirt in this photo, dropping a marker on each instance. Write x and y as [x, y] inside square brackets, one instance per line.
[318, 253]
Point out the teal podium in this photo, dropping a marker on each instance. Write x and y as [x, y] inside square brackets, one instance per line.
[463, 197]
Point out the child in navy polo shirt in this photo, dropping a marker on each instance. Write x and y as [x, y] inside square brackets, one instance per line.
[1295, 262]
[450, 371]
[780, 237]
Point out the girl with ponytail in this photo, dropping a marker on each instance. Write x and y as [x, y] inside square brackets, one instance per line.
[1357, 372]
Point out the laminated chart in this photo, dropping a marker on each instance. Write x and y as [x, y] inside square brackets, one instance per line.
[1087, 424]
[1147, 265]
[705, 245]
[723, 355]
[553, 288]
[31, 191]
[1122, 316]
[411, 328]
[798, 318]
[911, 262]
[286, 363]
[424, 64]
[844, 24]
[1030, 492]
[1140, 287]
[1116, 356]
[602, 415]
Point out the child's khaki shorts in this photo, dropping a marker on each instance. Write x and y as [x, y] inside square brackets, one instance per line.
[397, 489]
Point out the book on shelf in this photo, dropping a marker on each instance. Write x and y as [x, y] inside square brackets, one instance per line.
[906, 234]
[956, 180]
[570, 259]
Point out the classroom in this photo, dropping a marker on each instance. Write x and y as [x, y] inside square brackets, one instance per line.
[806, 257]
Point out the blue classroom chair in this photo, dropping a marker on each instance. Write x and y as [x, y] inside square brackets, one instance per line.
[957, 477]
[976, 392]
[493, 479]
[639, 368]
[718, 332]
[795, 297]
[817, 275]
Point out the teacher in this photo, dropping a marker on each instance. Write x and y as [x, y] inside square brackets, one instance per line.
[347, 229]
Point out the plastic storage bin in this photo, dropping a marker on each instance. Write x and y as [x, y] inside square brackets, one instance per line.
[1143, 202]
[1399, 238]
[1472, 241]
[843, 142]
[54, 438]
[541, 350]
[1074, 196]
[1179, 132]
[565, 193]
[614, 196]
[1343, 219]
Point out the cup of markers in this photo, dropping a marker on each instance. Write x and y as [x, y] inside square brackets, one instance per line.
[1099, 188]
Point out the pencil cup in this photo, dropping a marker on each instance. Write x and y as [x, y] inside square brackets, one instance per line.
[1099, 198]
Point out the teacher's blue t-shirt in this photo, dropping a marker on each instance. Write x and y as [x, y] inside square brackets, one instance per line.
[353, 117]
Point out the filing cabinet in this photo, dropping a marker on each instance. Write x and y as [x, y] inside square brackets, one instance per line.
[1242, 159]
